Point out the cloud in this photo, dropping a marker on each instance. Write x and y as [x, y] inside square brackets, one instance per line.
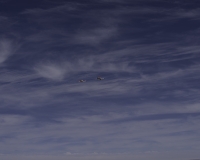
[94, 31]
[60, 8]
[151, 87]
[6, 49]
[97, 64]
[65, 130]
[94, 36]
[139, 156]
[193, 14]
[86, 134]
[51, 71]
[82, 65]
[3, 18]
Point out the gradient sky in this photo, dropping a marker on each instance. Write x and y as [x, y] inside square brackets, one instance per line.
[146, 108]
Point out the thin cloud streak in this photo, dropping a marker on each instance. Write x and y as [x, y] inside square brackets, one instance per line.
[69, 130]
[5, 50]
[51, 71]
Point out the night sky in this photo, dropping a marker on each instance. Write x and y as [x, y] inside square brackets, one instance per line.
[147, 107]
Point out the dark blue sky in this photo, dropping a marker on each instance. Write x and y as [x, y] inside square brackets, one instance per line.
[146, 108]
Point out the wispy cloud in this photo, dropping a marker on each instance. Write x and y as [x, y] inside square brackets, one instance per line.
[79, 136]
[51, 71]
[94, 36]
[2, 18]
[64, 7]
[87, 65]
[147, 107]
[6, 49]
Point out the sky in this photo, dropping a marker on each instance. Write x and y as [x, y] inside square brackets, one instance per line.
[146, 108]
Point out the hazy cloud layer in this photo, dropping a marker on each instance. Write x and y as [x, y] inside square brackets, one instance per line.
[147, 106]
